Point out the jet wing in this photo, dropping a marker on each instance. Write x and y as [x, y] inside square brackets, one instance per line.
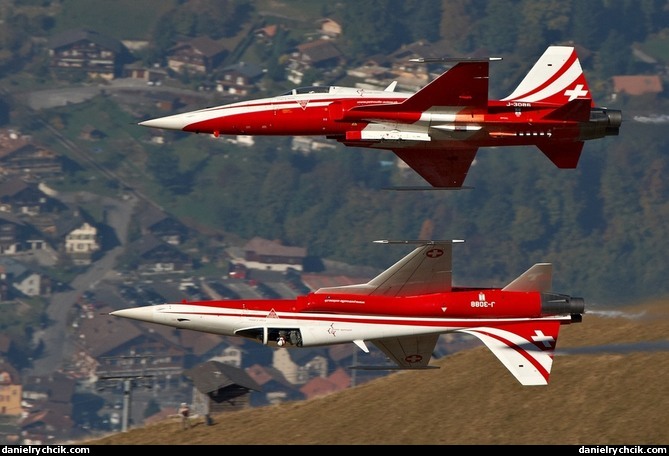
[427, 269]
[445, 168]
[526, 349]
[411, 352]
[464, 85]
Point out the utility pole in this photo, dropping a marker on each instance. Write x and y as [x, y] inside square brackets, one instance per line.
[128, 376]
[127, 389]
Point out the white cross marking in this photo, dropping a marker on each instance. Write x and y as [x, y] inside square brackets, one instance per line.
[575, 93]
[544, 339]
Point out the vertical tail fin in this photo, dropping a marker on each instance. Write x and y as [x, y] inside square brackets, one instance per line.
[557, 77]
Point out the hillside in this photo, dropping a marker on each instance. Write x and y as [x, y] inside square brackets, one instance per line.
[608, 387]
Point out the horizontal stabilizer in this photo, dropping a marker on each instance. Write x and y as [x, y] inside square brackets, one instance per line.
[575, 111]
[526, 349]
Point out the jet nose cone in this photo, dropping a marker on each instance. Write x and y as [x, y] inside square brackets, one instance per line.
[135, 313]
[176, 122]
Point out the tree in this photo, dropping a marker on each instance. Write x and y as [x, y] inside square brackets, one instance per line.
[542, 22]
[588, 24]
[422, 19]
[499, 35]
[371, 27]
[164, 165]
[612, 58]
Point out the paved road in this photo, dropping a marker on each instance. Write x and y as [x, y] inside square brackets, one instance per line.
[53, 98]
[57, 345]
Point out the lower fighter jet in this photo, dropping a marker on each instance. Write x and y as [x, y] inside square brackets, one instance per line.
[402, 311]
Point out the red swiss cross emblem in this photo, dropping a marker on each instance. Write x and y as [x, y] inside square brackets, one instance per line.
[413, 359]
[434, 253]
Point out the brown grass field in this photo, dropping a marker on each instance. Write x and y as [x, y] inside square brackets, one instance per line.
[600, 393]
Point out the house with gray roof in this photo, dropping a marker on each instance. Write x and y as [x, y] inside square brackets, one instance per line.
[220, 387]
[240, 78]
[161, 225]
[25, 198]
[271, 255]
[16, 276]
[30, 160]
[155, 255]
[87, 52]
[199, 55]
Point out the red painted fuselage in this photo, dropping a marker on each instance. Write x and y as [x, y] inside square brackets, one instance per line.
[436, 130]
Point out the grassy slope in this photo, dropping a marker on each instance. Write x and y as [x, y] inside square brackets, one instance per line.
[599, 398]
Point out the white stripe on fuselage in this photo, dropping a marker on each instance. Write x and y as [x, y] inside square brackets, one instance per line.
[277, 103]
[185, 309]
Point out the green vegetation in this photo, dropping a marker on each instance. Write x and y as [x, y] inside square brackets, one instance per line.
[603, 224]
[297, 10]
[135, 21]
[658, 46]
[20, 319]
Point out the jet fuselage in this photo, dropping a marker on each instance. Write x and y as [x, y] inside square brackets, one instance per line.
[334, 114]
[402, 311]
[438, 129]
[362, 316]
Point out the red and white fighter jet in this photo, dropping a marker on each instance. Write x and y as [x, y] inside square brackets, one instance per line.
[437, 130]
[402, 311]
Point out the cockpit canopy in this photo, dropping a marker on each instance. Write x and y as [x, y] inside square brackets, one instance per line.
[308, 89]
